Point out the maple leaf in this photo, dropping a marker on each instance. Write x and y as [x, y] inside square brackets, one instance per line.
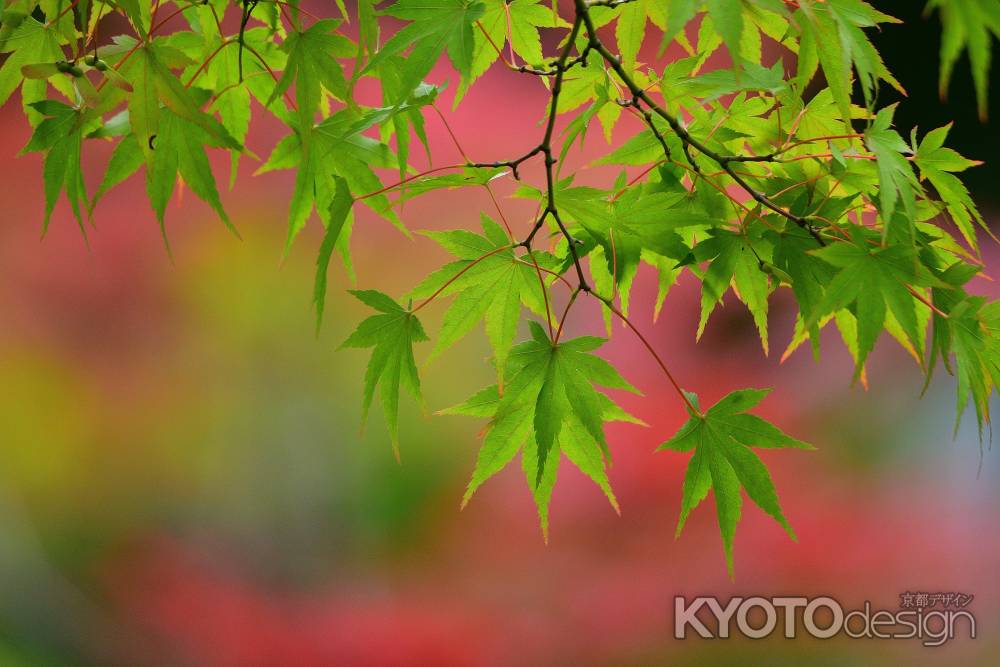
[874, 280]
[338, 146]
[974, 327]
[968, 25]
[734, 260]
[312, 65]
[833, 37]
[392, 333]
[29, 43]
[723, 462]
[435, 26]
[340, 211]
[805, 273]
[727, 19]
[967, 327]
[526, 17]
[490, 281]
[491, 35]
[897, 182]
[179, 148]
[156, 88]
[641, 219]
[233, 105]
[630, 30]
[548, 408]
[60, 135]
[937, 164]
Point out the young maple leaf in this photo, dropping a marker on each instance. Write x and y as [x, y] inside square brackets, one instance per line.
[832, 38]
[60, 136]
[966, 326]
[28, 43]
[339, 147]
[392, 334]
[154, 84]
[312, 63]
[897, 182]
[938, 165]
[491, 282]
[436, 26]
[723, 461]
[968, 24]
[875, 280]
[734, 261]
[549, 407]
[974, 326]
[180, 148]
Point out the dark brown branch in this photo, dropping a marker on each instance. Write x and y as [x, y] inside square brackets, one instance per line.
[687, 139]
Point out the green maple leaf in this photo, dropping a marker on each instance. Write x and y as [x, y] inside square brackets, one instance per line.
[60, 136]
[752, 77]
[492, 293]
[548, 408]
[178, 148]
[29, 43]
[340, 210]
[974, 337]
[564, 374]
[155, 88]
[875, 281]
[723, 462]
[489, 34]
[794, 262]
[833, 38]
[734, 260]
[937, 164]
[970, 332]
[727, 19]
[232, 99]
[898, 185]
[312, 65]
[630, 30]
[968, 25]
[392, 333]
[490, 288]
[435, 26]
[338, 146]
[469, 176]
[233, 106]
[406, 123]
[526, 17]
[642, 219]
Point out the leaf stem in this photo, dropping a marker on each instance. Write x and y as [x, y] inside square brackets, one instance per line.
[63, 13]
[562, 320]
[201, 69]
[408, 179]
[649, 348]
[458, 275]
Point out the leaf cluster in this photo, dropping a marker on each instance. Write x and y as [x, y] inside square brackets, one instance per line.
[742, 177]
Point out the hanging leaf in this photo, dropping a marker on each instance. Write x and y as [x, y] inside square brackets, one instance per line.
[723, 462]
[392, 334]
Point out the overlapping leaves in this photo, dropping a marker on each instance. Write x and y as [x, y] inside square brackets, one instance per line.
[735, 176]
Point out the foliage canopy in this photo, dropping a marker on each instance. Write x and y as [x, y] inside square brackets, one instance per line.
[778, 170]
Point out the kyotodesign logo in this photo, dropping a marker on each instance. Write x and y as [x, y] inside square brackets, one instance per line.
[931, 618]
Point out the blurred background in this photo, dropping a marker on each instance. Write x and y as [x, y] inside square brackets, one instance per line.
[183, 481]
